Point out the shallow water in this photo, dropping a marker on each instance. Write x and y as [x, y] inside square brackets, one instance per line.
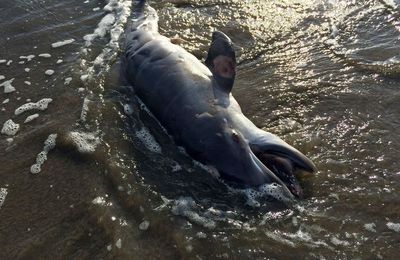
[323, 75]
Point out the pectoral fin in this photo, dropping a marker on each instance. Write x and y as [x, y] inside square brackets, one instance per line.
[221, 60]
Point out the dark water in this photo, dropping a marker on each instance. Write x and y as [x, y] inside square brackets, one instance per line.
[323, 75]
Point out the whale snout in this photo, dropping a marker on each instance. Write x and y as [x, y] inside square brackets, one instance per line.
[237, 163]
[255, 165]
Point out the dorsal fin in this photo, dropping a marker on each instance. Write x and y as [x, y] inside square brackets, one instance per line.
[221, 60]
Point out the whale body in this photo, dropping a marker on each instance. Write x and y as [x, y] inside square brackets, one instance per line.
[193, 102]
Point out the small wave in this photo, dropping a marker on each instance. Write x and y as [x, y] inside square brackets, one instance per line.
[394, 4]
[62, 43]
[186, 207]
[94, 68]
[112, 24]
[368, 38]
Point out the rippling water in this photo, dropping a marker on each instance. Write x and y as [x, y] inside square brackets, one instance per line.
[323, 75]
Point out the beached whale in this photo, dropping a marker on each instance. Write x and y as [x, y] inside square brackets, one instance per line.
[193, 101]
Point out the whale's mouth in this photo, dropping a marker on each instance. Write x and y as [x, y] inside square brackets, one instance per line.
[283, 160]
[284, 169]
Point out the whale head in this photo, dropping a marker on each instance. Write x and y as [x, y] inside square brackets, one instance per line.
[223, 147]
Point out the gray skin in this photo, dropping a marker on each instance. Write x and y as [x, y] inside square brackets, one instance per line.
[194, 103]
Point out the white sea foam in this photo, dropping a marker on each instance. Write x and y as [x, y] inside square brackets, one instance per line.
[85, 142]
[128, 109]
[148, 140]
[85, 109]
[144, 225]
[2, 77]
[252, 197]
[49, 144]
[45, 55]
[84, 77]
[99, 201]
[8, 87]
[113, 24]
[103, 27]
[28, 83]
[62, 43]
[201, 235]
[3, 61]
[273, 190]
[279, 238]
[67, 81]
[208, 168]
[49, 72]
[370, 227]
[27, 58]
[118, 244]
[30, 118]
[3, 194]
[10, 128]
[9, 62]
[176, 167]
[6, 101]
[27, 69]
[59, 61]
[185, 206]
[337, 242]
[40, 105]
[301, 235]
[393, 226]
